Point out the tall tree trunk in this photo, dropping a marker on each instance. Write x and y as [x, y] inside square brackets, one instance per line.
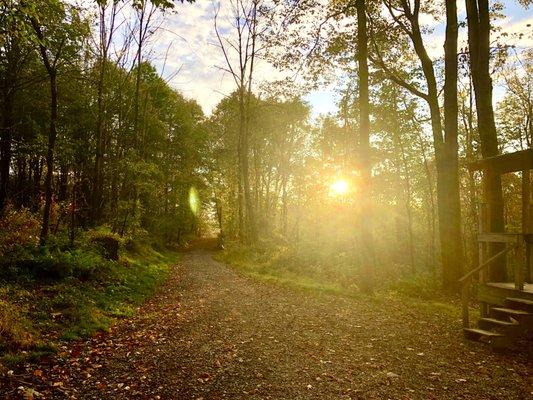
[448, 199]
[52, 134]
[366, 219]
[96, 205]
[51, 69]
[407, 184]
[450, 216]
[250, 227]
[5, 144]
[478, 18]
[6, 138]
[471, 227]
[105, 42]
[37, 169]
[284, 206]
[240, 197]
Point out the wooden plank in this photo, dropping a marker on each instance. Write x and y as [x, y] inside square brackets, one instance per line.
[505, 163]
[499, 237]
[527, 223]
[482, 228]
[528, 288]
[492, 296]
[497, 293]
[526, 187]
[479, 268]
[482, 332]
[519, 267]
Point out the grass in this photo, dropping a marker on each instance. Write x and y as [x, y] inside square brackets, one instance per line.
[288, 268]
[37, 315]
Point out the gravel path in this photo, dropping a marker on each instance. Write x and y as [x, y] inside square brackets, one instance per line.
[211, 333]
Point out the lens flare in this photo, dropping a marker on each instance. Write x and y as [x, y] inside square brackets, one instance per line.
[194, 200]
[339, 188]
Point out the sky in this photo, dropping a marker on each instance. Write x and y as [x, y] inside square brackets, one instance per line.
[186, 52]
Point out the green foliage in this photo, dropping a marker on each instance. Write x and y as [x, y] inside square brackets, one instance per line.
[323, 269]
[17, 228]
[77, 263]
[14, 328]
[106, 242]
[421, 286]
[78, 306]
[302, 267]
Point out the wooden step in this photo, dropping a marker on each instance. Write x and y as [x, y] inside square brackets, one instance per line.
[476, 333]
[489, 323]
[496, 340]
[510, 314]
[519, 304]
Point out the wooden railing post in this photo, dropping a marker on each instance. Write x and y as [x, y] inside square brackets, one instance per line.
[483, 246]
[527, 222]
[465, 301]
[482, 228]
[519, 264]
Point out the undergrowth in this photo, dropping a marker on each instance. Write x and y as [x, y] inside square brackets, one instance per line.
[58, 293]
[314, 270]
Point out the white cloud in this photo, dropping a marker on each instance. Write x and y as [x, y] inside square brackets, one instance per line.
[189, 40]
[193, 52]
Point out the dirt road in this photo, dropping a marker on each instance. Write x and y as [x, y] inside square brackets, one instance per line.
[210, 333]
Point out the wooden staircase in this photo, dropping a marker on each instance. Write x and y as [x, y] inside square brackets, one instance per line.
[508, 322]
[506, 308]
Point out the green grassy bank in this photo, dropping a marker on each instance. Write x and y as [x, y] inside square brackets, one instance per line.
[52, 295]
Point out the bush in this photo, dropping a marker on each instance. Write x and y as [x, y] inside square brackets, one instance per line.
[44, 263]
[420, 286]
[18, 228]
[14, 333]
[109, 246]
[82, 264]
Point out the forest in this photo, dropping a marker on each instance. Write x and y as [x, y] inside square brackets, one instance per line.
[374, 150]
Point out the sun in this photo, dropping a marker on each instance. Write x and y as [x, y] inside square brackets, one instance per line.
[339, 188]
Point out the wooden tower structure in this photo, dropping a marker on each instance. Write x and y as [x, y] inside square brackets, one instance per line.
[506, 308]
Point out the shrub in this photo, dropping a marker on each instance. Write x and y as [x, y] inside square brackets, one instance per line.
[14, 333]
[109, 246]
[420, 286]
[18, 228]
[43, 263]
[82, 264]
[46, 265]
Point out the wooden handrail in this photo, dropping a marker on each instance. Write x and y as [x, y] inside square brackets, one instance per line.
[465, 282]
[481, 266]
[499, 237]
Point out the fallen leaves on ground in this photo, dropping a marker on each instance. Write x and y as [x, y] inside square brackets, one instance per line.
[210, 333]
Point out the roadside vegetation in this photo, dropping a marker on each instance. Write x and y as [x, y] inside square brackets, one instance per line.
[64, 292]
[317, 270]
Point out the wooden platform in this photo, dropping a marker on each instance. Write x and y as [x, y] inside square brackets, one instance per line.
[528, 287]
[495, 293]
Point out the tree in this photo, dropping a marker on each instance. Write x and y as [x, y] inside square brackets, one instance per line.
[62, 35]
[515, 111]
[478, 19]
[13, 56]
[407, 20]
[245, 46]
[107, 15]
[452, 255]
[365, 227]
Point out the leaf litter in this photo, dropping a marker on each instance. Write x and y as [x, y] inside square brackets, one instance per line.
[210, 333]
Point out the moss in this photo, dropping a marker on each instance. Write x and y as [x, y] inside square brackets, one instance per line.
[78, 306]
